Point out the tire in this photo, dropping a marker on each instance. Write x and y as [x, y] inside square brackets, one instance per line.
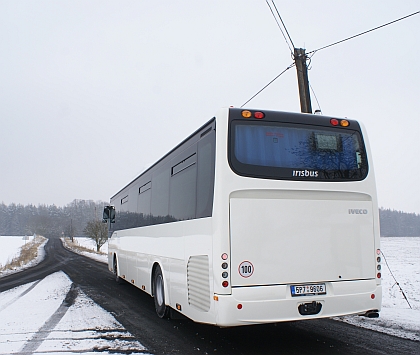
[117, 278]
[159, 294]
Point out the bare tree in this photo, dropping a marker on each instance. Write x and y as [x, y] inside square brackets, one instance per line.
[97, 231]
[70, 231]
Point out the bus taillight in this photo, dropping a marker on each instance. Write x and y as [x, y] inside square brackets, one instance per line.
[259, 115]
[246, 114]
[225, 284]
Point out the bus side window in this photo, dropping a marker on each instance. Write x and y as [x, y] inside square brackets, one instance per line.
[143, 199]
[183, 185]
[205, 175]
[160, 194]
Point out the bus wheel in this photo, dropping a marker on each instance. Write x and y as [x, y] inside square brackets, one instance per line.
[117, 278]
[159, 294]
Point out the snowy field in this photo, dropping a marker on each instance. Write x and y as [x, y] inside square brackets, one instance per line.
[10, 246]
[396, 317]
[61, 326]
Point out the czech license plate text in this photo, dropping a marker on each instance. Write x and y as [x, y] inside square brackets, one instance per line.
[308, 290]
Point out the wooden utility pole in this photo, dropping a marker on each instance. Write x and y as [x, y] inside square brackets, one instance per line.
[303, 83]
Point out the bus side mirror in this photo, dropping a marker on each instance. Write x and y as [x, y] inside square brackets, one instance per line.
[109, 214]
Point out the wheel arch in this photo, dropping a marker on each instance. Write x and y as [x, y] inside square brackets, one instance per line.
[157, 264]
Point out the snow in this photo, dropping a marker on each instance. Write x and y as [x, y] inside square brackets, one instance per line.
[52, 316]
[88, 243]
[9, 247]
[396, 317]
[80, 325]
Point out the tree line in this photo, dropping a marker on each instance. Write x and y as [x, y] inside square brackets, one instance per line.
[72, 220]
[49, 220]
[399, 224]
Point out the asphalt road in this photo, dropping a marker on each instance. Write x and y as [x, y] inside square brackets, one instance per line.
[135, 311]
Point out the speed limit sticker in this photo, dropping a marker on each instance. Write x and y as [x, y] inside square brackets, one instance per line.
[246, 269]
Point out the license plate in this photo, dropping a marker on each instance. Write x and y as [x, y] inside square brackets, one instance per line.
[308, 290]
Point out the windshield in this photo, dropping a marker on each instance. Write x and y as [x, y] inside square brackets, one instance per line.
[296, 151]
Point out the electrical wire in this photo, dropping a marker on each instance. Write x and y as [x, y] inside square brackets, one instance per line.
[278, 24]
[396, 282]
[362, 33]
[278, 13]
[313, 91]
[290, 66]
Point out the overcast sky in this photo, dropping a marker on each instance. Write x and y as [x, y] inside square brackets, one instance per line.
[92, 92]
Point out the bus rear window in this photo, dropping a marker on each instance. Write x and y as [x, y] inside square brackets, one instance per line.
[278, 150]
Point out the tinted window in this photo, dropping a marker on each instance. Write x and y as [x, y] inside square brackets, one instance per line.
[160, 192]
[286, 151]
[144, 198]
[179, 187]
[205, 175]
[183, 183]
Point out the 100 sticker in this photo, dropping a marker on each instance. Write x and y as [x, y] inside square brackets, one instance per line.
[246, 269]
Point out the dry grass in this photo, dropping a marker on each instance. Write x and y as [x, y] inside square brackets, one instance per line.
[28, 252]
[75, 246]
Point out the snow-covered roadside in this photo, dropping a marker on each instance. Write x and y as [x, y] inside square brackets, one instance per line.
[396, 317]
[53, 316]
[87, 243]
[10, 247]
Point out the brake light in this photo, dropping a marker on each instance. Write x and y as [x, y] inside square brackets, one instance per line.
[259, 115]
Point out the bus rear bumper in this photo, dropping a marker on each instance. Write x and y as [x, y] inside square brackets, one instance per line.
[272, 304]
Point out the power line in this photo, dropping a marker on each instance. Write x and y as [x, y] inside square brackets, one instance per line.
[362, 33]
[313, 91]
[278, 13]
[290, 66]
[278, 24]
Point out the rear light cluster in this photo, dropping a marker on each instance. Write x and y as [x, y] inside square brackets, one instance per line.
[257, 114]
[225, 270]
[337, 122]
[378, 263]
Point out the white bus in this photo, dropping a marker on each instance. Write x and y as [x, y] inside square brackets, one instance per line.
[257, 217]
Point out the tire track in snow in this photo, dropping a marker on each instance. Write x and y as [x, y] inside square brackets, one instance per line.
[29, 289]
[33, 344]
